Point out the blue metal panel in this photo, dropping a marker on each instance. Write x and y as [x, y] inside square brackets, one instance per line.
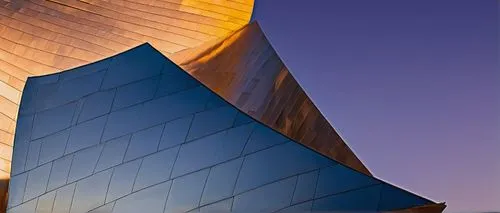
[168, 145]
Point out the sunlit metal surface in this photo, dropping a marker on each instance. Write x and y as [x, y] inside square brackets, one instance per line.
[245, 70]
[40, 37]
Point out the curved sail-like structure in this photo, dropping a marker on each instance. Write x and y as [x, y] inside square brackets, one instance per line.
[41, 37]
[136, 133]
[222, 109]
[245, 70]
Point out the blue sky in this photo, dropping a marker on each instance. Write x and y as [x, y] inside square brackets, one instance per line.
[412, 86]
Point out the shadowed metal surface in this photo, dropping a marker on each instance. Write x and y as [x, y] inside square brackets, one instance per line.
[245, 70]
[135, 133]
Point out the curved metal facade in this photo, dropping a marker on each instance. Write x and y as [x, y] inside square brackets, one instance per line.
[39, 37]
[135, 133]
[245, 70]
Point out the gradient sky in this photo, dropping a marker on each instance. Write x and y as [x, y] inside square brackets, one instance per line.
[412, 86]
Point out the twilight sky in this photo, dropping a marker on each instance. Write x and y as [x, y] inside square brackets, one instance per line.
[412, 86]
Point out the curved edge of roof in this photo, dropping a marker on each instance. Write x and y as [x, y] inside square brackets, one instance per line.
[251, 58]
[305, 91]
[435, 207]
[186, 57]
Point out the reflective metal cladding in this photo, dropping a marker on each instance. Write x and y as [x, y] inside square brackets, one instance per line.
[136, 133]
[245, 70]
[39, 37]
[218, 125]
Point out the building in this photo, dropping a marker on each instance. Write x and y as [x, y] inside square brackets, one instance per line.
[217, 125]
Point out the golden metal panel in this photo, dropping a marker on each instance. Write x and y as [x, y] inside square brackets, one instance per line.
[6, 138]
[7, 124]
[245, 70]
[5, 152]
[8, 107]
[10, 92]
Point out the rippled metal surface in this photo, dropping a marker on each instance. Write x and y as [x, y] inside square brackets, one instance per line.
[245, 70]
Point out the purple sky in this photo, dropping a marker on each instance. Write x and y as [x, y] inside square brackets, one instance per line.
[412, 86]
